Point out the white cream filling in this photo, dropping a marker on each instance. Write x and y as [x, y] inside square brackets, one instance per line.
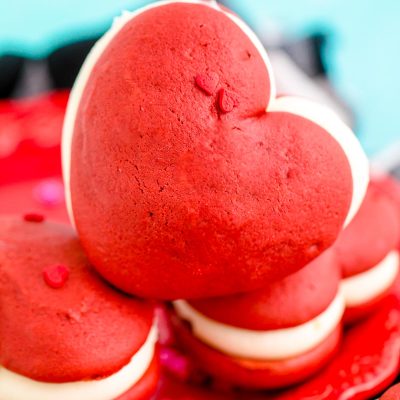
[365, 286]
[263, 345]
[328, 120]
[17, 387]
[95, 54]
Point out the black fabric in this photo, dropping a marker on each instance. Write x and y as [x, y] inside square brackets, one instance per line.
[10, 72]
[64, 63]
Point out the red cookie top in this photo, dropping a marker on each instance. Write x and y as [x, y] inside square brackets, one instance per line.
[392, 394]
[372, 234]
[391, 186]
[59, 321]
[292, 301]
[181, 184]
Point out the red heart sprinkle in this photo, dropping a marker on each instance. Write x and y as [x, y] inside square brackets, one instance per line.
[55, 276]
[207, 82]
[32, 217]
[227, 100]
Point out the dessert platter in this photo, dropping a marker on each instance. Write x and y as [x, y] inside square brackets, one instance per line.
[175, 229]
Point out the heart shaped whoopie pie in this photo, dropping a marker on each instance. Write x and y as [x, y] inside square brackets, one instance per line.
[65, 333]
[185, 176]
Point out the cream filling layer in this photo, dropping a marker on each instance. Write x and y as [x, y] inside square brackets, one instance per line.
[95, 54]
[17, 387]
[365, 286]
[263, 345]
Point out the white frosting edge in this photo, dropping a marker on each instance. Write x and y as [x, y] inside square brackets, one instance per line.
[365, 286]
[95, 54]
[261, 50]
[17, 387]
[276, 344]
[329, 121]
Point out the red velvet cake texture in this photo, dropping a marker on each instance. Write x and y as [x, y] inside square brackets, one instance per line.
[177, 193]
[81, 330]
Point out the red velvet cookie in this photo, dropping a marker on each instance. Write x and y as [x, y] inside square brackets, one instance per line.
[367, 252]
[392, 394]
[292, 301]
[185, 176]
[252, 374]
[271, 338]
[391, 186]
[61, 323]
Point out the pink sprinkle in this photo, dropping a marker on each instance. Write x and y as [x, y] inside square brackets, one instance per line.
[49, 192]
[227, 100]
[32, 217]
[175, 363]
[56, 276]
[207, 82]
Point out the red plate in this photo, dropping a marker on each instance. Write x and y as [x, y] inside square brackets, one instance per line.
[30, 130]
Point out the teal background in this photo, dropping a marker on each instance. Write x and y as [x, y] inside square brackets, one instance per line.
[363, 54]
[35, 27]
